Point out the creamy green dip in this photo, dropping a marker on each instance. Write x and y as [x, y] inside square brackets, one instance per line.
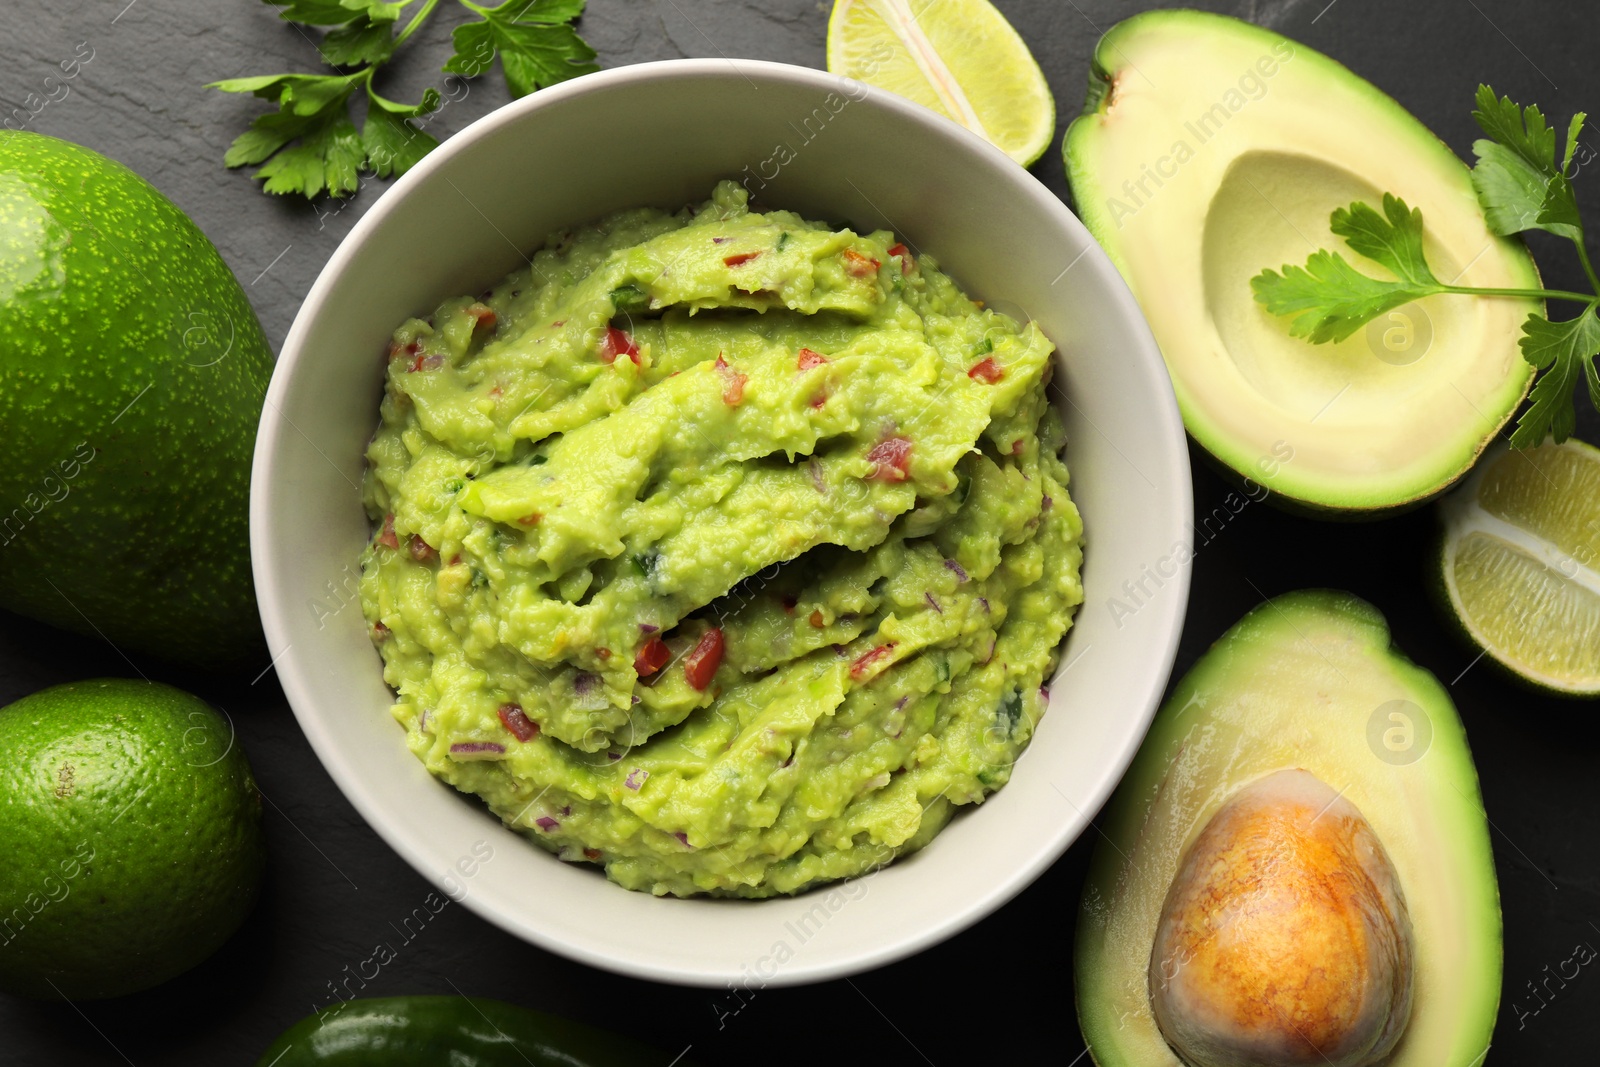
[727, 550]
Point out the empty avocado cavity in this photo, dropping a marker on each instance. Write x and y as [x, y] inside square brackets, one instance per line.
[1211, 149]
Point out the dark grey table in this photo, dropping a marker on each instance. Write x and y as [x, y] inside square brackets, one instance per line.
[1001, 990]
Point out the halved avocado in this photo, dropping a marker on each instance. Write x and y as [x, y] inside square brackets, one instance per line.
[1211, 149]
[1303, 698]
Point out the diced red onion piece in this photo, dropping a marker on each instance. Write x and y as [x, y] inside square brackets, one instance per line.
[476, 750]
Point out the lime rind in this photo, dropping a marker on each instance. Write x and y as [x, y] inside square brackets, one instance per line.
[1531, 605]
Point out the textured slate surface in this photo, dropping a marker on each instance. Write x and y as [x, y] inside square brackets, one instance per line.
[1003, 988]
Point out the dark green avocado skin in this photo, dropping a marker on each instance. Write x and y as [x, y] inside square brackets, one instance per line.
[132, 371]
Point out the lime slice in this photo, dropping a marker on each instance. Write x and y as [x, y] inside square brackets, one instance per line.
[1520, 563]
[960, 58]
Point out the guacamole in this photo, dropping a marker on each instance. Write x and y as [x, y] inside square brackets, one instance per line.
[724, 549]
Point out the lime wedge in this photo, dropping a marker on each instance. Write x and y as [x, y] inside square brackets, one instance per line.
[1520, 563]
[960, 58]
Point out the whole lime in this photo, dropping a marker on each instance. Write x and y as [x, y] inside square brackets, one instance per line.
[130, 828]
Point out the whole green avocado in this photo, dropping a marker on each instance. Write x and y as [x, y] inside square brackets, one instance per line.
[132, 371]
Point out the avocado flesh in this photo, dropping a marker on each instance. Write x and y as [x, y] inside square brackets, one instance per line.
[1211, 149]
[1307, 681]
[133, 370]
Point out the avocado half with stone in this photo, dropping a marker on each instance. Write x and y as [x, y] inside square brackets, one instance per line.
[1296, 870]
[1210, 150]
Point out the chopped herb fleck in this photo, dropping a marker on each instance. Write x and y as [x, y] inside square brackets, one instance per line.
[629, 298]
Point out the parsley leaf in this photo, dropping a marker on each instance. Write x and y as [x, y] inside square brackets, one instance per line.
[1522, 132]
[1517, 180]
[1329, 298]
[358, 42]
[392, 143]
[327, 157]
[1562, 350]
[337, 12]
[536, 45]
[312, 110]
[310, 144]
[298, 94]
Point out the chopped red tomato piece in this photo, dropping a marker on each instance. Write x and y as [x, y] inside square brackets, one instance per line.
[530, 520]
[398, 349]
[739, 258]
[859, 265]
[986, 371]
[455, 560]
[816, 618]
[890, 459]
[380, 632]
[865, 662]
[483, 315]
[908, 262]
[809, 359]
[616, 343]
[700, 665]
[603, 652]
[591, 853]
[517, 722]
[421, 551]
[651, 657]
[732, 383]
[387, 538]
[416, 362]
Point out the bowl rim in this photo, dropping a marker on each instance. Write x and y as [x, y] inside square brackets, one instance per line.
[342, 767]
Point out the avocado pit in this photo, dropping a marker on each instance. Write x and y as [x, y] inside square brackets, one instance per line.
[1284, 939]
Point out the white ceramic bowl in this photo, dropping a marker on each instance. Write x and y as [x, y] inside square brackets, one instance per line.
[661, 134]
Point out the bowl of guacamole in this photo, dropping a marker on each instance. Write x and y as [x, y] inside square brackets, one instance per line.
[679, 556]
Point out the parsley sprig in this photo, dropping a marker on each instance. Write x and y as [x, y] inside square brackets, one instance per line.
[310, 145]
[1520, 187]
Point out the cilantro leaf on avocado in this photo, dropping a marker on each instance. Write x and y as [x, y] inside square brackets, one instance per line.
[1520, 187]
[1329, 298]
